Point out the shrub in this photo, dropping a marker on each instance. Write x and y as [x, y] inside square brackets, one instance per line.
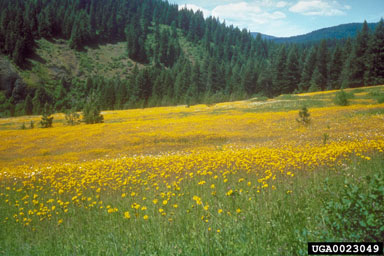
[380, 99]
[341, 98]
[358, 214]
[91, 114]
[47, 119]
[304, 116]
[72, 117]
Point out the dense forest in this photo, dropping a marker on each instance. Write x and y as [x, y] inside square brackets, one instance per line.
[232, 64]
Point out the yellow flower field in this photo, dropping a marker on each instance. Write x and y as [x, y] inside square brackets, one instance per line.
[166, 162]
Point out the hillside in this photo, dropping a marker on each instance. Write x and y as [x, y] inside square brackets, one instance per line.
[134, 54]
[343, 31]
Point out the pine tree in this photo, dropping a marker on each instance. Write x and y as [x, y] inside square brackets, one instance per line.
[359, 57]
[46, 120]
[376, 58]
[28, 105]
[91, 112]
[309, 67]
[335, 68]
[293, 72]
[280, 78]
[322, 65]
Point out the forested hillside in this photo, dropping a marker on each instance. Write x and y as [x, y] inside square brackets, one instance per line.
[178, 57]
[343, 31]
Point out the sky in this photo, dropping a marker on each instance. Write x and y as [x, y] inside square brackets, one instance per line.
[284, 18]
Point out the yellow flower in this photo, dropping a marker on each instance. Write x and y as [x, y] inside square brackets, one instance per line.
[155, 201]
[165, 202]
[220, 211]
[197, 199]
[123, 195]
[238, 210]
[127, 215]
[145, 217]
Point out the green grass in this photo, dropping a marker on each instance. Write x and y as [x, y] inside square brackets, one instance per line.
[275, 222]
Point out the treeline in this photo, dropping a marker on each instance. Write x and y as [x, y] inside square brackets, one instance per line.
[218, 63]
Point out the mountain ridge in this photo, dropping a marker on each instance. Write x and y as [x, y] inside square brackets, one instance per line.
[342, 31]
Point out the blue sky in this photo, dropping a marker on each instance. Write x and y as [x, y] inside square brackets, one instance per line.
[286, 17]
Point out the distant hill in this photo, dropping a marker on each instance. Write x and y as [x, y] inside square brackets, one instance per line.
[337, 32]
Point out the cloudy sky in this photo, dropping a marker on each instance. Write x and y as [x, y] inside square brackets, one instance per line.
[287, 17]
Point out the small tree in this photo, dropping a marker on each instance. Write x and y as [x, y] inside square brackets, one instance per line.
[304, 116]
[46, 120]
[341, 98]
[28, 105]
[72, 117]
[91, 114]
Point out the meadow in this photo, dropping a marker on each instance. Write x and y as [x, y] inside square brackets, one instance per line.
[235, 178]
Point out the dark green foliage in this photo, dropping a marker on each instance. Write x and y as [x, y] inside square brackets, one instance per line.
[47, 119]
[359, 58]
[28, 105]
[91, 113]
[322, 65]
[358, 214]
[376, 55]
[341, 98]
[72, 117]
[335, 69]
[380, 98]
[304, 116]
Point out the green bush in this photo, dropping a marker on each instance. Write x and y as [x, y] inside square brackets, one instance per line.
[380, 99]
[304, 116]
[47, 119]
[341, 98]
[91, 114]
[72, 117]
[358, 214]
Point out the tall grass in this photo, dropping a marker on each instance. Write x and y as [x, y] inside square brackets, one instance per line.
[273, 222]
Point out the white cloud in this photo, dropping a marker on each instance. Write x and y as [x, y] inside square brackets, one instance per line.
[319, 8]
[194, 7]
[245, 14]
[236, 11]
[281, 4]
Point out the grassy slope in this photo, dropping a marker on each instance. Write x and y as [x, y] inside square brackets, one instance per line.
[54, 60]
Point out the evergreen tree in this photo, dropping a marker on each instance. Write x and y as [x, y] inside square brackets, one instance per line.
[28, 105]
[335, 68]
[91, 111]
[47, 119]
[322, 65]
[359, 58]
[280, 71]
[293, 72]
[309, 67]
[376, 58]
